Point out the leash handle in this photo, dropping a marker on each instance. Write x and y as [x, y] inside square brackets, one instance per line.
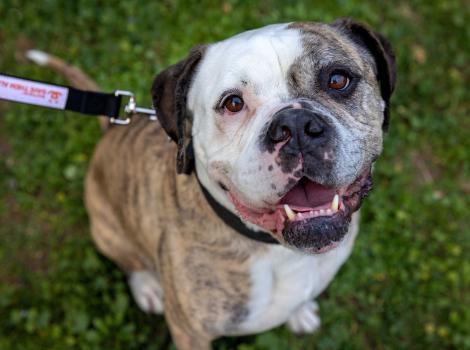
[39, 93]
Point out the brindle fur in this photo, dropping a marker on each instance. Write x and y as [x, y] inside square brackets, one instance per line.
[144, 217]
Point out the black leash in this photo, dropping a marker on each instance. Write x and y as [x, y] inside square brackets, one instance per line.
[61, 97]
[38, 93]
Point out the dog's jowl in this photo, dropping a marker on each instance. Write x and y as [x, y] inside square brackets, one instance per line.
[279, 127]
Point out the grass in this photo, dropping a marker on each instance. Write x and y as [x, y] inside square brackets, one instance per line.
[407, 284]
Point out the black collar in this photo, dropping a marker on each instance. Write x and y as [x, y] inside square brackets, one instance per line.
[234, 221]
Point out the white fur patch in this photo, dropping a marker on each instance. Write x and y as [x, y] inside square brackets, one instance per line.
[256, 63]
[39, 57]
[285, 280]
[305, 318]
[147, 292]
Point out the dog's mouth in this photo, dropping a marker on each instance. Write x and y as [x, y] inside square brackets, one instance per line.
[310, 216]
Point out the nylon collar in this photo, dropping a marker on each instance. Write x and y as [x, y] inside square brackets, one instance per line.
[234, 221]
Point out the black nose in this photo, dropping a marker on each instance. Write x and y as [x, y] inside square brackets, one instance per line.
[301, 128]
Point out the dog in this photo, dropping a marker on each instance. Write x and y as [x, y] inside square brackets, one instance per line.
[237, 209]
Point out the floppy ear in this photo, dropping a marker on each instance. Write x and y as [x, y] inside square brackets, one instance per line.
[381, 50]
[169, 93]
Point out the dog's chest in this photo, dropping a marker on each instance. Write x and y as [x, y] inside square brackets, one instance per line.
[283, 279]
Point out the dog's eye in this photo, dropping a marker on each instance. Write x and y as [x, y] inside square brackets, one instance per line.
[338, 81]
[233, 103]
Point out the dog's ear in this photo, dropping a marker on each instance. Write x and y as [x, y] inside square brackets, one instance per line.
[381, 51]
[169, 93]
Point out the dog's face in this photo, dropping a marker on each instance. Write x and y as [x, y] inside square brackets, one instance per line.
[286, 122]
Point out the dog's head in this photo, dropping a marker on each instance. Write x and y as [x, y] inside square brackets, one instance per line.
[285, 122]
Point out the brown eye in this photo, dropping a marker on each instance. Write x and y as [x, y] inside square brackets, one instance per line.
[234, 103]
[338, 81]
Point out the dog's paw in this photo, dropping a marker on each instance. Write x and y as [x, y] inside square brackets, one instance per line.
[304, 319]
[147, 292]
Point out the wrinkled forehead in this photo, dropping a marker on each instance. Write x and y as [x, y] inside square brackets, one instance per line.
[262, 58]
[323, 44]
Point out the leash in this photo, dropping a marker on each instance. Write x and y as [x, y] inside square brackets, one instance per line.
[67, 98]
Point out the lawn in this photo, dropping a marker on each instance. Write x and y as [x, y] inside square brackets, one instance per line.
[407, 284]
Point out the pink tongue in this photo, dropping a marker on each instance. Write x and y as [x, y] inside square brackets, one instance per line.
[308, 194]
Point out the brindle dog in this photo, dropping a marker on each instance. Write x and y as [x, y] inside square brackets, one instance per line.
[282, 126]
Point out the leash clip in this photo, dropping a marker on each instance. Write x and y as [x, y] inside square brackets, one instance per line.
[131, 108]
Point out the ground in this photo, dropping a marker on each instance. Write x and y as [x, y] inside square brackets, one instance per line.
[407, 284]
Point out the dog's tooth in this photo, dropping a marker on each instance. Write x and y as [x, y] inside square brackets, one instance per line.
[300, 216]
[335, 203]
[322, 211]
[290, 213]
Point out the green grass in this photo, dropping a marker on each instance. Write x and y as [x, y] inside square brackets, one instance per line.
[407, 284]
